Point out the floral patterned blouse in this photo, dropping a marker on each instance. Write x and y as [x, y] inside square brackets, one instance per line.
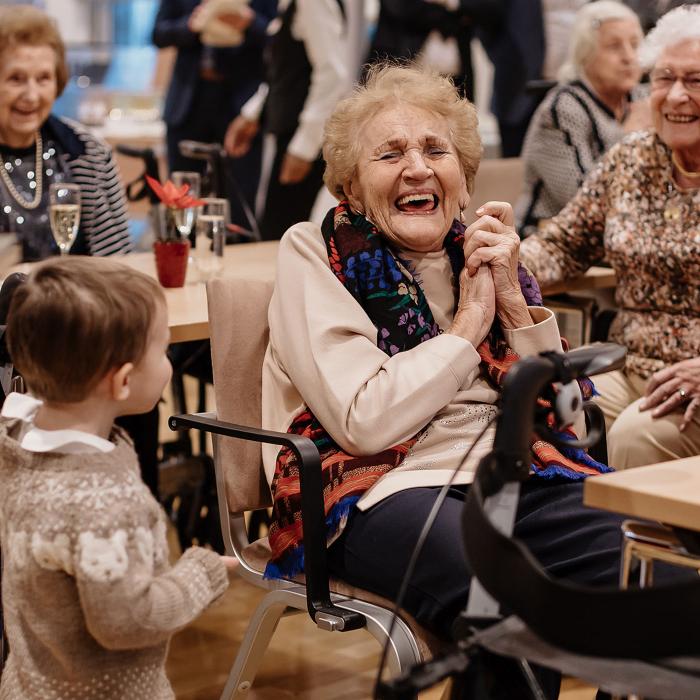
[630, 210]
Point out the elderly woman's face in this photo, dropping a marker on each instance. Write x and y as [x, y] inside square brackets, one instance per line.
[614, 67]
[675, 110]
[409, 181]
[27, 92]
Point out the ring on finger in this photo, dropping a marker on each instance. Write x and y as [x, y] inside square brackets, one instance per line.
[683, 393]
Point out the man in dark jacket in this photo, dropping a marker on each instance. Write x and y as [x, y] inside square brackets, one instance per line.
[210, 85]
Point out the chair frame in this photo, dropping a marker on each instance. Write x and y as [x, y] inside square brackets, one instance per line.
[329, 611]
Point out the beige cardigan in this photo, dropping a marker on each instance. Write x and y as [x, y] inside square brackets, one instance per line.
[323, 354]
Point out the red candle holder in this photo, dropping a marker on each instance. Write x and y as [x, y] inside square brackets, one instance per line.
[171, 262]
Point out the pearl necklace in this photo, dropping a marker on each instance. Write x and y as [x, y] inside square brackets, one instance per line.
[38, 169]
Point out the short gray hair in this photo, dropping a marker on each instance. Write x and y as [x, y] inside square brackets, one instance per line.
[676, 26]
[388, 84]
[584, 36]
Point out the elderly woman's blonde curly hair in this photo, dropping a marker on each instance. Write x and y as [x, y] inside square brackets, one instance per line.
[387, 85]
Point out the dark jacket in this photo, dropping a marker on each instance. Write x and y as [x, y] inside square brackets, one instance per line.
[404, 25]
[516, 49]
[242, 66]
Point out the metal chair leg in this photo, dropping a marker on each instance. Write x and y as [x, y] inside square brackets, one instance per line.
[256, 640]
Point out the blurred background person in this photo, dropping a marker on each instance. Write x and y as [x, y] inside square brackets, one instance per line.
[583, 116]
[209, 85]
[38, 149]
[516, 48]
[640, 208]
[307, 73]
[438, 32]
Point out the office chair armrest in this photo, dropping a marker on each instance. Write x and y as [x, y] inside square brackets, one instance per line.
[315, 557]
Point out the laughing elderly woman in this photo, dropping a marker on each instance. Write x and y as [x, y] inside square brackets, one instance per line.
[640, 208]
[37, 148]
[581, 118]
[380, 350]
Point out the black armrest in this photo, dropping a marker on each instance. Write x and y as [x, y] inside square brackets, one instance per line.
[313, 517]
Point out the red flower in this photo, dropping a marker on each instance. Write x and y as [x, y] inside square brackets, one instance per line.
[172, 196]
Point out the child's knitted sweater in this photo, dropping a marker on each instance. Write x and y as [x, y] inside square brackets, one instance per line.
[90, 600]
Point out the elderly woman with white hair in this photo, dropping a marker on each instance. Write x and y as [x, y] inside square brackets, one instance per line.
[640, 208]
[585, 114]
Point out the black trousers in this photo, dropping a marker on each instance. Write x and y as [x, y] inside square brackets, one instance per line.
[570, 540]
[207, 122]
[286, 205]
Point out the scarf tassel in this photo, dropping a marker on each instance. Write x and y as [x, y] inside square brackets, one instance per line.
[291, 563]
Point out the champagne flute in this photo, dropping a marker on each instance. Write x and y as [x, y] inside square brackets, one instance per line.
[211, 237]
[185, 219]
[64, 214]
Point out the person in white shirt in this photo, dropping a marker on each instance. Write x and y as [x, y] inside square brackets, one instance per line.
[91, 598]
[307, 73]
[382, 344]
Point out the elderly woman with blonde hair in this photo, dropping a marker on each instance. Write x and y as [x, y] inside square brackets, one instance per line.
[588, 112]
[640, 208]
[391, 327]
[38, 148]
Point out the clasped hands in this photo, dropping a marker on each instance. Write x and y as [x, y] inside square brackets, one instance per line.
[489, 284]
[674, 388]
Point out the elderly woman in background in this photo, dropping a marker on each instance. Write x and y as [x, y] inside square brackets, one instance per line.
[640, 208]
[380, 350]
[37, 149]
[585, 114]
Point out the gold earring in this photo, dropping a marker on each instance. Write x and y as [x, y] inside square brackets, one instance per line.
[461, 216]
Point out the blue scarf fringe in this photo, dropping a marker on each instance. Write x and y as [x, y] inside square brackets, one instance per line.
[292, 563]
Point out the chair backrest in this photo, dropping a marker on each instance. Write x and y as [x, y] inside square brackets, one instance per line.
[239, 334]
[499, 179]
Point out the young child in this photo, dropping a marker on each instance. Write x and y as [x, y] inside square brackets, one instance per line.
[90, 600]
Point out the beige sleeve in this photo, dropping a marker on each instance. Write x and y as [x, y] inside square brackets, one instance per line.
[125, 604]
[543, 336]
[327, 346]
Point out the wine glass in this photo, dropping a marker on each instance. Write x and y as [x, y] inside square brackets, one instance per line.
[64, 214]
[185, 219]
[211, 237]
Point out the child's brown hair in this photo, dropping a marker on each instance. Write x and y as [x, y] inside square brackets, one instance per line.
[74, 319]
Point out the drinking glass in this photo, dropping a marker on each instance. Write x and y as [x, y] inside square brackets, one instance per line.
[211, 237]
[185, 219]
[64, 214]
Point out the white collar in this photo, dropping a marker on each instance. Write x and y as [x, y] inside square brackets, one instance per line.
[33, 439]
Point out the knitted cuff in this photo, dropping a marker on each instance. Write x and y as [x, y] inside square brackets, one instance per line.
[213, 566]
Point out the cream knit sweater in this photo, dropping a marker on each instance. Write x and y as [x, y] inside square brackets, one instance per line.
[90, 600]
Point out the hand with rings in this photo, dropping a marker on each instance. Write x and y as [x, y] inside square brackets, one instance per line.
[674, 389]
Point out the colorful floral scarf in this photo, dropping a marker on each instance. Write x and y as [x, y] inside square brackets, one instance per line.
[365, 264]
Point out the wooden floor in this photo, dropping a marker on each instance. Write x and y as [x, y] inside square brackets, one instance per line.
[302, 663]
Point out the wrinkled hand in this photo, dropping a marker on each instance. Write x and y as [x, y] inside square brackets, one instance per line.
[476, 307]
[294, 169]
[674, 388]
[239, 136]
[491, 240]
[240, 20]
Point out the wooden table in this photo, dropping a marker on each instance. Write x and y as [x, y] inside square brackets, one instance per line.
[593, 278]
[668, 492]
[187, 306]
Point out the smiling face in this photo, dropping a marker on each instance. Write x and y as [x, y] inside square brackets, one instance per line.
[675, 110]
[408, 181]
[614, 66]
[27, 92]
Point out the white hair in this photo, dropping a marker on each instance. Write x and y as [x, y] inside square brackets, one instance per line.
[584, 35]
[676, 26]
